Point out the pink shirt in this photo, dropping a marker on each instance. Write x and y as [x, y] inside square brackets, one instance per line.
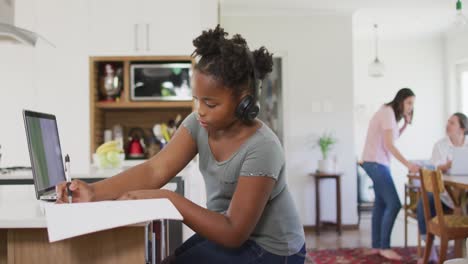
[374, 149]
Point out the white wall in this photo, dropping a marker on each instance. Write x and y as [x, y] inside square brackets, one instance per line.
[47, 79]
[318, 97]
[456, 52]
[414, 62]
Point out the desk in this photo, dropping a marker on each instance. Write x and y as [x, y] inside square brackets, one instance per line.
[337, 178]
[178, 232]
[24, 239]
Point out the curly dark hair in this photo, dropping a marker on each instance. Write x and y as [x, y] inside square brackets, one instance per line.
[227, 59]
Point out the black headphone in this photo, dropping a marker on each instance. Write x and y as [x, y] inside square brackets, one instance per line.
[248, 107]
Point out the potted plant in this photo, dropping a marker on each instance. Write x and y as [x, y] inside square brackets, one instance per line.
[326, 142]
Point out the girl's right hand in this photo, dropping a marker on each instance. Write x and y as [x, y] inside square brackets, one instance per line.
[81, 192]
[413, 168]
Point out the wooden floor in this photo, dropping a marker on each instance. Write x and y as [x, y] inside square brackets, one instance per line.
[362, 238]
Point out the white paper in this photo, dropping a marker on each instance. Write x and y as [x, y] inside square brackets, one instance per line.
[70, 220]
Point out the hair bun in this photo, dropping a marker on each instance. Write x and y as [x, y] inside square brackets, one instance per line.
[209, 42]
[263, 62]
[227, 59]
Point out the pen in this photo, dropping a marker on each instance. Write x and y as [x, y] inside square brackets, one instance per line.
[68, 177]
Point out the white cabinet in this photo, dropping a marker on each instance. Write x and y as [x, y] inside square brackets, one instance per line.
[111, 27]
[147, 27]
[172, 29]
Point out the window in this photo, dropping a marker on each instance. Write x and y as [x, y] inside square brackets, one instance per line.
[462, 76]
[464, 87]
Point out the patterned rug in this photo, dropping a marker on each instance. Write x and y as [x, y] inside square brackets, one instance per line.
[358, 256]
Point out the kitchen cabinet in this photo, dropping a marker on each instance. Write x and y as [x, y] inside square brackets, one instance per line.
[172, 29]
[148, 27]
[112, 27]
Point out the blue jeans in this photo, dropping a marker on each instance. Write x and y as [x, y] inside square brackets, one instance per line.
[420, 212]
[200, 250]
[386, 205]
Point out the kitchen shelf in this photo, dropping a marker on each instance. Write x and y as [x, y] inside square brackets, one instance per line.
[127, 113]
[145, 105]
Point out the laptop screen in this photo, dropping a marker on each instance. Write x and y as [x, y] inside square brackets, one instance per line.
[44, 151]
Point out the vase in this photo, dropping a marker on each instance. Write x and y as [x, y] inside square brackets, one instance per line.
[326, 166]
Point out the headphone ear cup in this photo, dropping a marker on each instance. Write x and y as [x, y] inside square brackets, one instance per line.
[242, 109]
[253, 112]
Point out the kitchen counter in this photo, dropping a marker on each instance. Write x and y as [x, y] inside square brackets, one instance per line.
[23, 227]
[25, 176]
[19, 207]
[24, 237]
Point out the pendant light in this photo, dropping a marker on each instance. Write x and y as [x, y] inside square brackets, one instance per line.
[376, 67]
[460, 19]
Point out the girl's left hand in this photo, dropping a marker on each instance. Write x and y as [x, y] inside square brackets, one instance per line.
[144, 194]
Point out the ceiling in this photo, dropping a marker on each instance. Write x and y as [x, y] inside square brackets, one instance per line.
[402, 23]
[396, 18]
[234, 5]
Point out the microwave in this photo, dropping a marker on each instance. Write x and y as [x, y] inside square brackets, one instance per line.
[161, 81]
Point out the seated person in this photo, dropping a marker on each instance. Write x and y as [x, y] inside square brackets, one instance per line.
[442, 160]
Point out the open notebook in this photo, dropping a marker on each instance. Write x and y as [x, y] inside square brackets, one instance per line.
[70, 220]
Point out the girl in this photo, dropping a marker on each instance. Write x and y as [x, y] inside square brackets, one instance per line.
[456, 129]
[250, 215]
[383, 130]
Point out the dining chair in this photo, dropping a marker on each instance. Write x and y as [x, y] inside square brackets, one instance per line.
[447, 227]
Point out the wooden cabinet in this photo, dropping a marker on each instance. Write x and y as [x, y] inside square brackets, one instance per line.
[127, 113]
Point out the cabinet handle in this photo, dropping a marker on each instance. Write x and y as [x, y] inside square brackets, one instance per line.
[135, 35]
[147, 37]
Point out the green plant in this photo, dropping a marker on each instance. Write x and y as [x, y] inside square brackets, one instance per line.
[326, 142]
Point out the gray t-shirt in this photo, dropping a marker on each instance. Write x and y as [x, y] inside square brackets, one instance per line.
[279, 229]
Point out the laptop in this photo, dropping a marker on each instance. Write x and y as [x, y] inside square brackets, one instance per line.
[460, 161]
[45, 153]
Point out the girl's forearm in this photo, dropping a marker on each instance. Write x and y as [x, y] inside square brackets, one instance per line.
[211, 225]
[135, 178]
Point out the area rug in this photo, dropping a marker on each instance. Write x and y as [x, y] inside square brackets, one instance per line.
[358, 256]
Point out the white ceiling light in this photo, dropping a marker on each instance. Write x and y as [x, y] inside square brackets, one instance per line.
[376, 67]
[460, 18]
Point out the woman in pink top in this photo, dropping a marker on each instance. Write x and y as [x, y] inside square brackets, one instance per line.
[383, 131]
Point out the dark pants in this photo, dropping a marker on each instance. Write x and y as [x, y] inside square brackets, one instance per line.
[420, 212]
[386, 205]
[200, 250]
